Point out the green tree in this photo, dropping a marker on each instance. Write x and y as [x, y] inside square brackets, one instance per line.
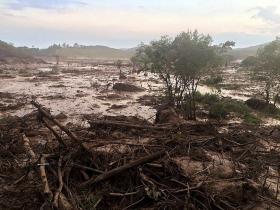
[156, 58]
[193, 56]
[180, 63]
[268, 68]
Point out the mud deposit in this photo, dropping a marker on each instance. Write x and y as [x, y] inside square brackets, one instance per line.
[76, 91]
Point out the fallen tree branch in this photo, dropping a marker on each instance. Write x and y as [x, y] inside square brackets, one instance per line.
[127, 125]
[59, 139]
[123, 194]
[62, 127]
[87, 168]
[63, 200]
[46, 188]
[28, 149]
[60, 180]
[120, 169]
[106, 143]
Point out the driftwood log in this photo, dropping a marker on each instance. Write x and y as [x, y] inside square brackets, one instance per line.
[120, 169]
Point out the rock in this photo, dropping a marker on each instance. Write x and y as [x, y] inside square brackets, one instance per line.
[127, 87]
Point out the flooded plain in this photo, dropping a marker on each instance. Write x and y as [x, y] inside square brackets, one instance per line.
[76, 91]
[80, 90]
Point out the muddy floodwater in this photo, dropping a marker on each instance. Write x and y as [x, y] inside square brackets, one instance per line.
[77, 91]
[81, 90]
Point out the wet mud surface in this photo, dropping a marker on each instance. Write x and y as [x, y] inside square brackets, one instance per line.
[76, 91]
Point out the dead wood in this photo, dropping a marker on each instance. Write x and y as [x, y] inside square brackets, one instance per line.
[57, 136]
[62, 127]
[28, 149]
[120, 124]
[119, 170]
[205, 169]
[87, 168]
[60, 179]
[46, 188]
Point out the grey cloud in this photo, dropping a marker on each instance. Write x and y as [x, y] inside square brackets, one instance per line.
[43, 4]
[267, 14]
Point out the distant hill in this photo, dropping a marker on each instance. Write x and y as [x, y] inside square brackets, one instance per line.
[10, 54]
[242, 53]
[94, 52]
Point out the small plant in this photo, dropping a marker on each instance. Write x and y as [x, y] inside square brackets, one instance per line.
[252, 119]
[218, 111]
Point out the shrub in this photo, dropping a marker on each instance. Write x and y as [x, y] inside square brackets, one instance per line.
[237, 107]
[218, 111]
[221, 109]
[251, 119]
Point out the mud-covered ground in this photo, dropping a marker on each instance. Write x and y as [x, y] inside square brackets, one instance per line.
[189, 165]
[81, 89]
[77, 90]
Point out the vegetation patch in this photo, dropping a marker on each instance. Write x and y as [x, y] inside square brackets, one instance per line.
[220, 108]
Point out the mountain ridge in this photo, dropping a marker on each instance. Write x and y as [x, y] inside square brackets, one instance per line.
[96, 52]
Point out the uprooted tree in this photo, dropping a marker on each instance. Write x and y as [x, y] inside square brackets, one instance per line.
[180, 63]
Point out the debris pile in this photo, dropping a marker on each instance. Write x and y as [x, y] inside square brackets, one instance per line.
[128, 163]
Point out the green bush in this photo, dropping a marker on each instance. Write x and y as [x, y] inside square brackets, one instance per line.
[221, 109]
[218, 111]
[251, 119]
[237, 107]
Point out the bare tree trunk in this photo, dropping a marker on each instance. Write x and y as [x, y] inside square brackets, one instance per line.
[267, 92]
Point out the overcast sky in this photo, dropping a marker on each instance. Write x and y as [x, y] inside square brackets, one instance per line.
[125, 23]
